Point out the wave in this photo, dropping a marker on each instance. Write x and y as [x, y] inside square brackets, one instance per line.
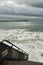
[31, 42]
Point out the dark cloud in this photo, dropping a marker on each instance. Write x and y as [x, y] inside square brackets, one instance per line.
[34, 3]
[39, 5]
[25, 7]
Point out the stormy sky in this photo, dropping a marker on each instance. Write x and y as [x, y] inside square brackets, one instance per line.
[24, 7]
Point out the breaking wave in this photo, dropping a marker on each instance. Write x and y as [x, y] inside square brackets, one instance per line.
[31, 42]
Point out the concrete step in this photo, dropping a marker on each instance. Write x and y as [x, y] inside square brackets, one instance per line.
[12, 62]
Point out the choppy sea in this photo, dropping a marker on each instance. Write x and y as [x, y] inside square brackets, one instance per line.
[26, 35]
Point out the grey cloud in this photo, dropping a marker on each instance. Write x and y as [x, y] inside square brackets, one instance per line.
[23, 8]
[34, 3]
[38, 4]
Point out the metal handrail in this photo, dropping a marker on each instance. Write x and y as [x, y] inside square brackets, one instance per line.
[15, 46]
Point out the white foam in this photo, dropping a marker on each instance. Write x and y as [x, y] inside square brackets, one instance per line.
[31, 42]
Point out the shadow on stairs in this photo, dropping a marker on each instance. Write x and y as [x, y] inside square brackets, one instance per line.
[13, 62]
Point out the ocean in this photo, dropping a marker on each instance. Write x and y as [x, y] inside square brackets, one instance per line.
[26, 35]
[30, 25]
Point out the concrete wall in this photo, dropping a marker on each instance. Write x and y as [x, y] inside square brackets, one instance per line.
[2, 51]
[7, 52]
